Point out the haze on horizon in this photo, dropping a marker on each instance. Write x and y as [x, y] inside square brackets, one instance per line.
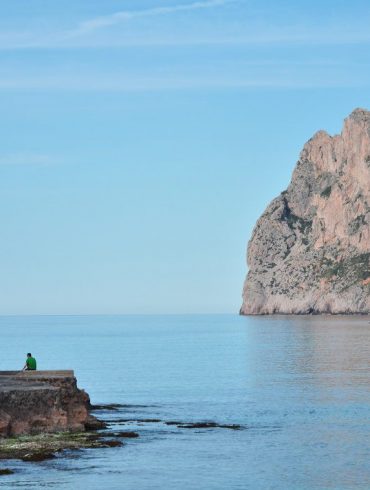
[141, 140]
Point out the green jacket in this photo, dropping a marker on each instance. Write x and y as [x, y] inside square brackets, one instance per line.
[31, 363]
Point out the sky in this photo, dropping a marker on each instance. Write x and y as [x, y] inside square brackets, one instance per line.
[141, 140]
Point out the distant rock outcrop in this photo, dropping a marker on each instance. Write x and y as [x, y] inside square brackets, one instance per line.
[310, 249]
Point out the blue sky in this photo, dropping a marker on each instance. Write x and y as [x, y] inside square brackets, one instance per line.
[141, 140]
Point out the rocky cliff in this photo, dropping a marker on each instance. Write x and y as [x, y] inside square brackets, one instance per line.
[310, 250]
[42, 401]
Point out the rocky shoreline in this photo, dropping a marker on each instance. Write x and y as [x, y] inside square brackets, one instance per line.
[57, 417]
[44, 412]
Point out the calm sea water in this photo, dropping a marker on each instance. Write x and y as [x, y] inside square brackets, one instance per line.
[300, 386]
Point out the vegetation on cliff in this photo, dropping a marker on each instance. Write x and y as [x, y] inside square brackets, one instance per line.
[310, 249]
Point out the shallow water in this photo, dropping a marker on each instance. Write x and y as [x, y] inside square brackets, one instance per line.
[299, 386]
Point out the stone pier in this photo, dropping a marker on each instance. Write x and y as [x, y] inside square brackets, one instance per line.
[34, 402]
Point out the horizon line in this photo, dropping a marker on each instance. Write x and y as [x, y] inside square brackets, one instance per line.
[114, 314]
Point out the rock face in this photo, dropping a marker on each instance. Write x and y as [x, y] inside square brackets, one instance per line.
[310, 250]
[42, 401]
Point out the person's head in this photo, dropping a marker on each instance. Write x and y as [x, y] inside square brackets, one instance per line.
[29, 354]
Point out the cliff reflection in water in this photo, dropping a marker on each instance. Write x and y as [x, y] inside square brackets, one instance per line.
[321, 353]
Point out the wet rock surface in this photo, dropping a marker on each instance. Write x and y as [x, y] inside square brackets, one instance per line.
[310, 250]
[45, 446]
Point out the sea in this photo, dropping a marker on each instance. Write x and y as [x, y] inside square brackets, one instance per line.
[299, 387]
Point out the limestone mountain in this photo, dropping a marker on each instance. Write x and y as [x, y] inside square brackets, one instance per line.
[310, 250]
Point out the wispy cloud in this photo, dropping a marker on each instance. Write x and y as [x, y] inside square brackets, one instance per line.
[243, 25]
[28, 158]
[110, 84]
[96, 23]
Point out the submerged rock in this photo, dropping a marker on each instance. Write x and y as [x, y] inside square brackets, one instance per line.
[310, 250]
[125, 433]
[38, 456]
[112, 443]
[139, 421]
[108, 406]
[203, 425]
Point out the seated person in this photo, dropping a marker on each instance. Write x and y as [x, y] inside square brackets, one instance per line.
[30, 363]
